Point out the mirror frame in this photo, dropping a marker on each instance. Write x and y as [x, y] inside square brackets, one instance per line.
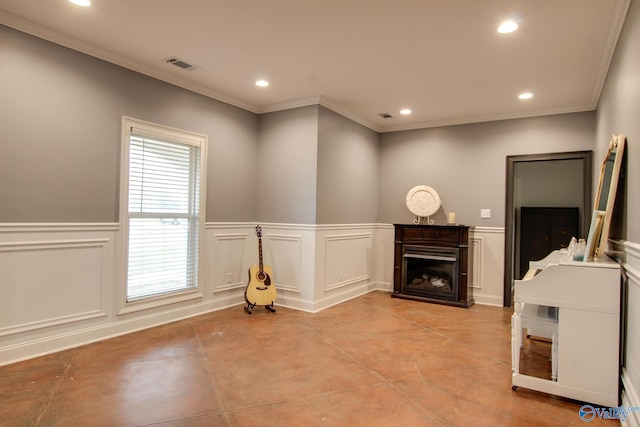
[605, 193]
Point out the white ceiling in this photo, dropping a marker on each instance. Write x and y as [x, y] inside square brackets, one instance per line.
[443, 59]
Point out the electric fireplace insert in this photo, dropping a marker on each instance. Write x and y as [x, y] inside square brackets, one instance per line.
[433, 264]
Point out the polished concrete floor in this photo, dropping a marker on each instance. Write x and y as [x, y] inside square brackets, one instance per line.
[371, 361]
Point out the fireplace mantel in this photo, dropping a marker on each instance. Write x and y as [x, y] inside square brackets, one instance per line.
[447, 245]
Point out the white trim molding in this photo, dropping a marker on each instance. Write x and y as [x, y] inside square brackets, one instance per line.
[628, 255]
[476, 244]
[65, 227]
[315, 267]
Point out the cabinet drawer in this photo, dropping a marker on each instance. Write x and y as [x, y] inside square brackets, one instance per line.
[561, 236]
[566, 220]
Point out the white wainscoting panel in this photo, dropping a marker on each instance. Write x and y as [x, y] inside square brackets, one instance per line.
[488, 265]
[51, 282]
[346, 259]
[285, 257]
[60, 283]
[630, 399]
[55, 279]
[290, 250]
[630, 254]
[344, 256]
[382, 257]
[228, 261]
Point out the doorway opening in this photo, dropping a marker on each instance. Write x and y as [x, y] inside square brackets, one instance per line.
[524, 175]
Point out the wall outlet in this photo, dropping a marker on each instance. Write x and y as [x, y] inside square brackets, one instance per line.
[229, 278]
[485, 213]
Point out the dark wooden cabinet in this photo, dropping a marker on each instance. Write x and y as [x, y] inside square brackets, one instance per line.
[542, 230]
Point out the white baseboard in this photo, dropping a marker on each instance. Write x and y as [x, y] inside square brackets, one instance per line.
[381, 286]
[493, 301]
[76, 338]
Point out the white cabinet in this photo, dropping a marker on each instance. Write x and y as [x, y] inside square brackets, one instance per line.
[587, 334]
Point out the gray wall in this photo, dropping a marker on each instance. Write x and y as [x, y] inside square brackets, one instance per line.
[534, 180]
[619, 112]
[316, 167]
[347, 171]
[60, 135]
[466, 164]
[287, 166]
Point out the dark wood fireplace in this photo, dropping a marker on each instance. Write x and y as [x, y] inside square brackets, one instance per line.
[432, 263]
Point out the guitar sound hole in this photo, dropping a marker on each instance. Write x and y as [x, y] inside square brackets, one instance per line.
[261, 275]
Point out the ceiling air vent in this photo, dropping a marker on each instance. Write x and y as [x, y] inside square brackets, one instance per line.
[179, 63]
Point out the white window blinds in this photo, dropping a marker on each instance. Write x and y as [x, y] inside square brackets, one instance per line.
[163, 215]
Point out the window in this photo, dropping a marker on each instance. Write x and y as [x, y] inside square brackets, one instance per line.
[163, 209]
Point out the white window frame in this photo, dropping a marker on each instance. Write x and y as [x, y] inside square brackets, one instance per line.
[163, 133]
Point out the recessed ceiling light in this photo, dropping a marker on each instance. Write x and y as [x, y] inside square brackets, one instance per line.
[405, 111]
[262, 83]
[84, 3]
[525, 95]
[507, 27]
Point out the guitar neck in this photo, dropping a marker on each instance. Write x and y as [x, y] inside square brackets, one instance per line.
[260, 265]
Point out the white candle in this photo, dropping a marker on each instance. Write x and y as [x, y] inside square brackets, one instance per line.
[452, 218]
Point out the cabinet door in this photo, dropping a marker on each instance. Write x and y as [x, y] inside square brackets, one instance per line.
[542, 230]
[534, 239]
[589, 370]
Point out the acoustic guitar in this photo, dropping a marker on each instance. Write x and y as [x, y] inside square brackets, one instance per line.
[260, 290]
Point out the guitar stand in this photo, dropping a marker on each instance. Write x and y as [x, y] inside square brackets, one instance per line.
[250, 307]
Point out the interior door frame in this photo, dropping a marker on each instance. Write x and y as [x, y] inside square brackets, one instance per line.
[510, 232]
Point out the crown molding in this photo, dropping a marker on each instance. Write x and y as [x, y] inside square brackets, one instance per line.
[48, 34]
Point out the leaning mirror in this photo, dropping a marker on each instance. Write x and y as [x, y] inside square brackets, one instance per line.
[605, 197]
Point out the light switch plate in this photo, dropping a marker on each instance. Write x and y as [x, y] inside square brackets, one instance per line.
[485, 213]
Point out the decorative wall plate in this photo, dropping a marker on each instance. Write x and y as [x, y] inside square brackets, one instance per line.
[423, 201]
